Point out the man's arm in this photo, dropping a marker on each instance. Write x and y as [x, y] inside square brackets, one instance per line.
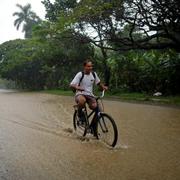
[75, 82]
[76, 87]
[102, 86]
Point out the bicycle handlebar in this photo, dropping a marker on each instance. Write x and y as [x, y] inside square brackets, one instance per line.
[102, 94]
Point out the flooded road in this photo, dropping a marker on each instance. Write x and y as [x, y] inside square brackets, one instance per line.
[37, 141]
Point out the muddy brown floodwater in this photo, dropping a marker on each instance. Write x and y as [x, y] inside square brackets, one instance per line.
[37, 141]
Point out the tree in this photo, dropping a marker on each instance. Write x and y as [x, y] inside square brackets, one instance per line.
[157, 21]
[26, 17]
[21, 61]
[68, 12]
[53, 10]
[146, 71]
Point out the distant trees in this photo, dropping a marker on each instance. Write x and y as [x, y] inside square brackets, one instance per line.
[145, 71]
[27, 18]
[21, 61]
[42, 62]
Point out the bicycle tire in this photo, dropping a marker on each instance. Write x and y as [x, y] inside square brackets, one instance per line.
[107, 130]
[78, 127]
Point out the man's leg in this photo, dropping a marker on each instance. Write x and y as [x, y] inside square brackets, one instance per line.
[93, 105]
[80, 100]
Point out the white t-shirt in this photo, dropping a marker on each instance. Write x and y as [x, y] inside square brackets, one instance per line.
[86, 83]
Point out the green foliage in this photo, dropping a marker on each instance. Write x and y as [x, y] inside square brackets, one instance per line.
[21, 62]
[55, 9]
[43, 62]
[146, 71]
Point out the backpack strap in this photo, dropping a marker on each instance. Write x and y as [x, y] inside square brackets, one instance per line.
[81, 78]
[93, 73]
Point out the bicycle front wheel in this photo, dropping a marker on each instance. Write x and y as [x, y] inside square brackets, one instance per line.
[107, 130]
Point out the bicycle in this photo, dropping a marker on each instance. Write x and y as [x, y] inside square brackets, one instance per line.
[102, 125]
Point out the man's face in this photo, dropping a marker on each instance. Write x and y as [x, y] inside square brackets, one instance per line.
[88, 67]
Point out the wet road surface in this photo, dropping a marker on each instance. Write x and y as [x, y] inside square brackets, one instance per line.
[37, 142]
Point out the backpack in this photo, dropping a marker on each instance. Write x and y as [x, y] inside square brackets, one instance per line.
[93, 73]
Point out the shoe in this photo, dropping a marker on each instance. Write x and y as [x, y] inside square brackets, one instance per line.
[93, 128]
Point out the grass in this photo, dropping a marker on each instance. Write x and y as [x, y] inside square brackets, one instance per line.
[137, 97]
[140, 97]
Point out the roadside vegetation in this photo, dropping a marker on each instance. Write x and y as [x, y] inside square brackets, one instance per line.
[128, 97]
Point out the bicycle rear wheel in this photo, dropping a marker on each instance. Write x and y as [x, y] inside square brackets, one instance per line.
[107, 130]
[79, 127]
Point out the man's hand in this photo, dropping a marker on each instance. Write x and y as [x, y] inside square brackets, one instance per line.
[104, 87]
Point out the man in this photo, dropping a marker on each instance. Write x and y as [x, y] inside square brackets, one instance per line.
[83, 84]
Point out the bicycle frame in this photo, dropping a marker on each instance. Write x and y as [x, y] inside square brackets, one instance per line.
[93, 111]
[88, 115]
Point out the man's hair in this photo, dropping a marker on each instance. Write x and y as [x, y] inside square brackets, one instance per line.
[87, 61]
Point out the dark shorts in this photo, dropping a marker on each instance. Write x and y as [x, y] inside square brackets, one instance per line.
[89, 99]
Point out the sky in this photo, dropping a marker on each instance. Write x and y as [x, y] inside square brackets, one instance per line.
[7, 8]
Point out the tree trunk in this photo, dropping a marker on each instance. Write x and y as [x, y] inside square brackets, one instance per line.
[107, 71]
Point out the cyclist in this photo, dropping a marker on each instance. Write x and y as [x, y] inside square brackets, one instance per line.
[83, 85]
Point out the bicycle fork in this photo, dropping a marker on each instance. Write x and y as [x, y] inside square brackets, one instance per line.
[103, 125]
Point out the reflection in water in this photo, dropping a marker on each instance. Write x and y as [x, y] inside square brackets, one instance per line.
[7, 90]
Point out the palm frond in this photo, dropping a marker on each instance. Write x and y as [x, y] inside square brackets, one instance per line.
[18, 22]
